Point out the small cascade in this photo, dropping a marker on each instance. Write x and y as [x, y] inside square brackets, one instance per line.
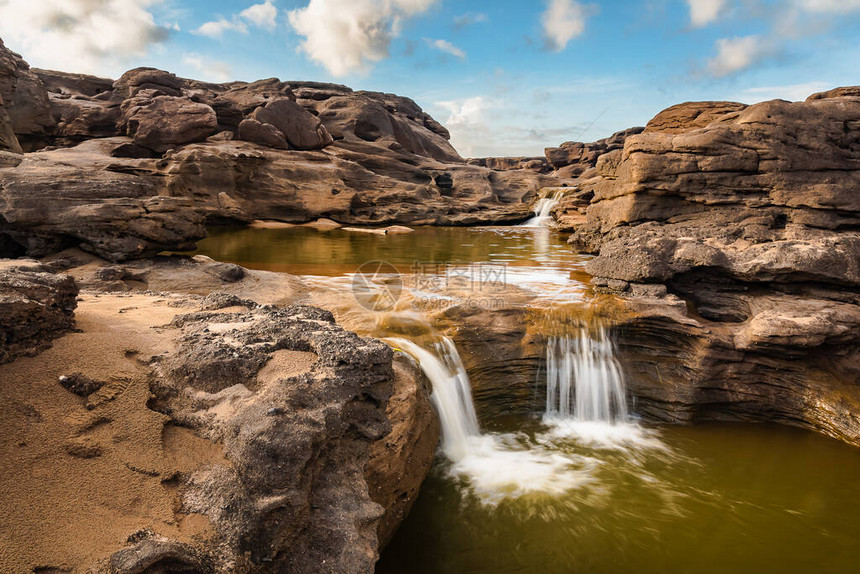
[452, 393]
[496, 466]
[584, 380]
[543, 210]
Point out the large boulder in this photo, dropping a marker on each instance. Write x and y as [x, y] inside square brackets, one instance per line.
[37, 306]
[249, 97]
[134, 81]
[164, 122]
[302, 130]
[251, 130]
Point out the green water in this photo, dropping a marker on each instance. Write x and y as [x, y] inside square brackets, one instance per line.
[306, 251]
[727, 498]
[734, 498]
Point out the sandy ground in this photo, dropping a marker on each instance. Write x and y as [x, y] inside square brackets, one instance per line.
[78, 475]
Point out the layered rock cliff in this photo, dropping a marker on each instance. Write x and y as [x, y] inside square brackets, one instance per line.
[733, 232]
[130, 167]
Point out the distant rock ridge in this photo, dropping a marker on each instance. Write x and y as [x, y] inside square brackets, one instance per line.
[131, 167]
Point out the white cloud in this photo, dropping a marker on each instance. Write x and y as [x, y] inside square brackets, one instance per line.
[208, 70]
[828, 6]
[791, 92]
[468, 123]
[470, 18]
[90, 36]
[348, 36]
[263, 15]
[737, 54]
[562, 21]
[704, 12]
[446, 46]
[216, 28]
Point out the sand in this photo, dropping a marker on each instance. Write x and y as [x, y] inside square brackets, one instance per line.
[78, 481]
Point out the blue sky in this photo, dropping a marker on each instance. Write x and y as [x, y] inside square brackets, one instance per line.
[507, 77]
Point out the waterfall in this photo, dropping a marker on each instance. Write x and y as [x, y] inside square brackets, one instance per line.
[584, 379]
[496, 465]
[452, 393]
[543, 210]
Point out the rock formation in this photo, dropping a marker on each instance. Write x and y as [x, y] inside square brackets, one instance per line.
[732, 232]
[199, 433]
[147, 160]
[36, 305]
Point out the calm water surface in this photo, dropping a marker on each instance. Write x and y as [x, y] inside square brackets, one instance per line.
[722, 498]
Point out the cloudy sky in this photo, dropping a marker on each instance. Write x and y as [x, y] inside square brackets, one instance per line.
[508, 77]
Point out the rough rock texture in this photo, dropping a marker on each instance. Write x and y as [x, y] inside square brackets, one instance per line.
[207, 434]
[735, 232]
[400, 461]
[251, 130]
[361, 158]
[303, 130]
[25, 98]
[165, 122]
[294, 497]
[575, 158]
[36, 307]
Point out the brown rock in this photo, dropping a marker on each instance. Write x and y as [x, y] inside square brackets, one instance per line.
[165, 122]
[693, 115]
[37, 306]
[264, 134]
[302, 129]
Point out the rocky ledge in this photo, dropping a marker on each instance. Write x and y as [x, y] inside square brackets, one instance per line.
[147, 160]
[176, 432]
[733, 233]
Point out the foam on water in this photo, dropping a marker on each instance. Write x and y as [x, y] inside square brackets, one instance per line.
[496, 466]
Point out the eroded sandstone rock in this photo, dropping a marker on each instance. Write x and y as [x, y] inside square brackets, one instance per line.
[37, 306]
[747, 218]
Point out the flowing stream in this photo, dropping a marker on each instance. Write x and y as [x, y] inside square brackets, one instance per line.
[544, 465]
[543, 209]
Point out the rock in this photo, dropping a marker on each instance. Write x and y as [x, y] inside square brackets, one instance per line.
[383, 119]
[26, 100]
[165, 122]
[37, 306]
[8, 139]
[391, 163]
[693, 115]
[294, 494]
[157, 554]
[575, 158]
[847, 91]
[400, 461]
[80, 384]
[538, 164]
[248, 97]
[302, 130]
[323, 224]
[251, 130]
[731, 232]
[134, 81]
[81, 85]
